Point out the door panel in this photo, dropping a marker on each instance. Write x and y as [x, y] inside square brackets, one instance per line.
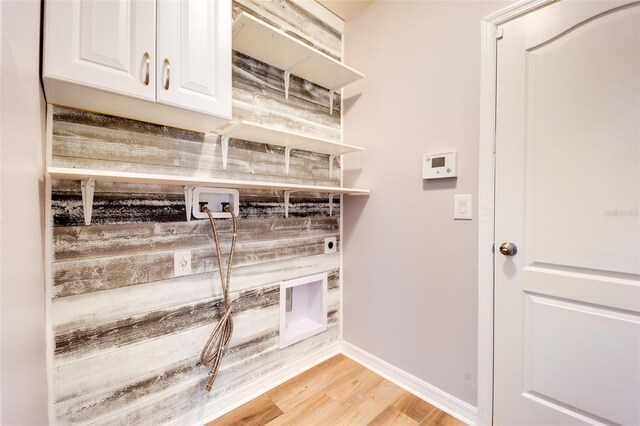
[194, 55]
[102, 44]
[577, 194]
[567, 305]
[556, 369]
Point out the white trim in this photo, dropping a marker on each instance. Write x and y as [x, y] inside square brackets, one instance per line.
[322, 13]
[486, 195]
[341, 278]
[485, 223]
[222, 405]
[1, 211]
[516, 10]
[48, 262]
[423, 390]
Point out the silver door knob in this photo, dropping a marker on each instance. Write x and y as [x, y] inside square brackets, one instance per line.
[508, 249]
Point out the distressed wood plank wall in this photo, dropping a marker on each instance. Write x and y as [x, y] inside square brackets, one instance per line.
[128, 333]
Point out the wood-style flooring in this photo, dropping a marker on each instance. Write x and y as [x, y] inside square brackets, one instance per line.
[337, 392]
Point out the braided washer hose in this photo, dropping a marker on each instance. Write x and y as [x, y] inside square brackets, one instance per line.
[216, 345]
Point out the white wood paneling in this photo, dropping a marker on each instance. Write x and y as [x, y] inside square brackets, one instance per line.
[126, 333]
[93, 308]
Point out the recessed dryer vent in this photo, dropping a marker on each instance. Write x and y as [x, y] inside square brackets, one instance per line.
[303, 308]
[213, 198]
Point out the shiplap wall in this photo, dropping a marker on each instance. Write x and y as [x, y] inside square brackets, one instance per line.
[127, 333]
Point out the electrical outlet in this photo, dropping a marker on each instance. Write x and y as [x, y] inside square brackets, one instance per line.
[330, 245]
[181, 263]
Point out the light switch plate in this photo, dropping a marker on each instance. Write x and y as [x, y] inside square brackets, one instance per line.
[181, 263]
[462, 206]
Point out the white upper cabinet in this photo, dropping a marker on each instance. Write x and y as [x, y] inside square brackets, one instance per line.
[105, 44]
[161, 61]
[192, 72]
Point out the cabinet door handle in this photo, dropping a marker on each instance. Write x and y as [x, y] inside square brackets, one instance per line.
[167, 79]
[147, 67]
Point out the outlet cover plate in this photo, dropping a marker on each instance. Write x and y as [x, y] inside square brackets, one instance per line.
[330, 245]
[181, 263]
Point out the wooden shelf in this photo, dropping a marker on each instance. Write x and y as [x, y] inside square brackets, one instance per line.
[264, 134]
[127, 177]
[88, 178]
[259, 40]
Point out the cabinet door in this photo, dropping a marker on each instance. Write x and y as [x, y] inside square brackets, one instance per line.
[103, 44]
[194, 55]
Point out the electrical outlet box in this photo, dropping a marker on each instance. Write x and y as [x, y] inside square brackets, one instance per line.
[330, 245]
[181, 263]
[213, 199]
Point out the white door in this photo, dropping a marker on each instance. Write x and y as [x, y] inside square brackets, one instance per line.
[194, 55]
[107, 44]
[567, 303]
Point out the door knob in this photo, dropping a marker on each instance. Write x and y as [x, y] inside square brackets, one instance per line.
[508, 249]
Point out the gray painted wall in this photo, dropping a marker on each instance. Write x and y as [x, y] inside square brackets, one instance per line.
[23, 362]
[410, 274]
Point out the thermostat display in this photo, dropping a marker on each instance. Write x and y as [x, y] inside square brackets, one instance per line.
[437, 162]
[438, 166]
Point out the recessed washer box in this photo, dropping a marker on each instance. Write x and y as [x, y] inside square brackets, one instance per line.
[438, 166]
[213, 198]
[303, 308]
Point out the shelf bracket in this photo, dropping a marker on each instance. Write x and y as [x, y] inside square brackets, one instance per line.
[331, 195]
[236, 31]
[286, 202]
[224, 142]
[287, 75]
[331, 158]
[88, 187]
[331, 92]
[188, 201]
[287, 156]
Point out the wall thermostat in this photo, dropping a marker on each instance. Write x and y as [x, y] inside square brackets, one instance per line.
[438, 166]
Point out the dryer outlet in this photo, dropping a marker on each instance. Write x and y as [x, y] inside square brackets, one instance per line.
[330, 245]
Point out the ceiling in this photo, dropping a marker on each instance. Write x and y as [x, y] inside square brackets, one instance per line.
[345, 9]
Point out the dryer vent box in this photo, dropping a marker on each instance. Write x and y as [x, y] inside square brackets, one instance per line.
[303, 308]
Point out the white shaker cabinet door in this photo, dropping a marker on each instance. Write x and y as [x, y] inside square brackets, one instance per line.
[194, 55]
[104, 44]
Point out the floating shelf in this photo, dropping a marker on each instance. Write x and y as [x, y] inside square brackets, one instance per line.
[259, 40]
[264, 134]
[88, 177]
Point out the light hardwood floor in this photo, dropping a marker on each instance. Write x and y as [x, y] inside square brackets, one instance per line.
[337, 392]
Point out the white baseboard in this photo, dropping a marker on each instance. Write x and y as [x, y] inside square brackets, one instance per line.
[226, 403]
[423, 390]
